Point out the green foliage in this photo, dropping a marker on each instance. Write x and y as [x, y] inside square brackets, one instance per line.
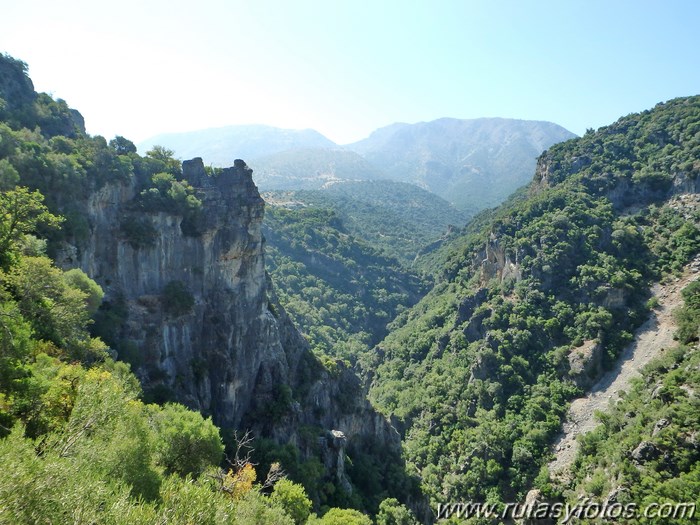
[79, 444]
[77, 279]
[122, 146]
[177, 299]
[477, 373]
[21, 212]
[8, 175]
[391, 512]
[338, 290]
[660, 413]
[337, 516]
[398, 219]
[688, 317]
[186, 442]
[165, 157]
[292, 498]
[57, 311]
[170, 195]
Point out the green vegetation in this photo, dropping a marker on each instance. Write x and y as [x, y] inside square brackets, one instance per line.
[340, 292]
[78, 441]
[646, 448]
[177, 299]
[477, 373]
[397, 218]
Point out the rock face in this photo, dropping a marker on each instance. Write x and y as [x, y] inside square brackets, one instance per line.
[586, 363]
[231, 352]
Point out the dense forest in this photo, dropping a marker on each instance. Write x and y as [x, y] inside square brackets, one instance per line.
[340, 291]
[477, 375]
[466, 348]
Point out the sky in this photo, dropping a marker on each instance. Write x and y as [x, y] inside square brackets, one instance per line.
[346, 68]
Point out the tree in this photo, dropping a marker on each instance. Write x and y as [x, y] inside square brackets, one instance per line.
[292, 497]
[79, 280]
[186, 442]
[122, 146]
[337, 516]
[391, 512]
[56, 311]
[165, 157]
[21, 211]
[8, 174]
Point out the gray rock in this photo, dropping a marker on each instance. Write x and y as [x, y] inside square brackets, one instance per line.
[659, 426]
[235, 355]
[645, 451]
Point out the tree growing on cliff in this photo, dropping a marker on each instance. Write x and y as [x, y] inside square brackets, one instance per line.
[21, 212]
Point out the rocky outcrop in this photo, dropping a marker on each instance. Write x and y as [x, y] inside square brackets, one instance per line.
[203, 321]
[498, 263]
[586, 363]
[645, 451]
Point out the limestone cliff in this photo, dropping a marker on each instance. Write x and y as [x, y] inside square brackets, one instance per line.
[232, 352]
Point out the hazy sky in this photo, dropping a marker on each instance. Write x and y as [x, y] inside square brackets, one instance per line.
[138, 68]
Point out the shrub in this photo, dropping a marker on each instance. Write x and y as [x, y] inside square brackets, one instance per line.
[292, 498]
[177, 299]
[139, 232]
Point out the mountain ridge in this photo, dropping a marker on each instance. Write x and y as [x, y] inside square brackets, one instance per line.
[472, 163]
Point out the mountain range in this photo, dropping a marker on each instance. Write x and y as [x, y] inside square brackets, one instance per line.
[474, 164]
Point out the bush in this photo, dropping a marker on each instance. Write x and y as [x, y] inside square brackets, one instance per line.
[79, 280]
[186, 442]
[139, 232]
[341, 517]
[292, 498]
[177, 299]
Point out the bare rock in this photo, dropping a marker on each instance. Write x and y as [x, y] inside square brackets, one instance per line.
[586, 363]
[645, 451]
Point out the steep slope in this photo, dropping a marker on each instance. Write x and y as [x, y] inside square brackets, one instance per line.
[398, 218]
[339, 290]
[478, 375]
[652, 340]
[219, 146]
[474, 164]
[642, 462]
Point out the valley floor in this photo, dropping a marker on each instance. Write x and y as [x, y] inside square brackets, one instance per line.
[651, 340]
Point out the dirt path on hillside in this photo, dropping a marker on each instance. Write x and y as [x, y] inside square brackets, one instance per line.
[651, 339]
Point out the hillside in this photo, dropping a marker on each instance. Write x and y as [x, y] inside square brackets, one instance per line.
[397, 218]
[306, 169]
[535, 301]
[645, 450]
[151, 369]
[339, 290]
[652, 341]
[474, 164]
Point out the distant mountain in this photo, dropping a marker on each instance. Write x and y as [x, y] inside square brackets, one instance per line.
[397, 218]
[221, 146]
[306, 169]
[474, 164]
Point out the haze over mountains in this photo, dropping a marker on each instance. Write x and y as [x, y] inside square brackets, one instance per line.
[221, 146]
[474, 164]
